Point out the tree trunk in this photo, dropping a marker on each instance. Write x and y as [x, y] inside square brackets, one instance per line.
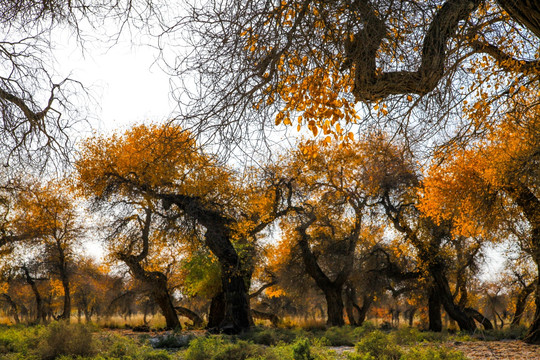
[237, 314]
[217, 311]
[66, 315]
[191, 315]
[367, 300]
[41, 315]
[434, 310]
[350, 299]
[533, 333]
[13, 306]
[464, 321]
[334, 306]
[521, 303]
[475, 314]
[160, 293]
[156, 283]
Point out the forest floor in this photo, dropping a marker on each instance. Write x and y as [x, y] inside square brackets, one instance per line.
[478, 350]
[491, 350]
[473, 348]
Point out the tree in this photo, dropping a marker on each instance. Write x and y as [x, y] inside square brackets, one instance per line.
[329, 222]
[311, 62]
[503, 171]
[49, 212]
[165, 164]
[39, 108]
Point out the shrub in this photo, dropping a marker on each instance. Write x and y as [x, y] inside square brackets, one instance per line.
[119, 347]
[379, 346]
[339, 336]
[301, 350]
[204, 348]
[430, 353]
[366, 328]
[215, 348]
[509, 333]
[60, 338]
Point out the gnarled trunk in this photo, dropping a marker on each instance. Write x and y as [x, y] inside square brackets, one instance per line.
[156, 283]
[236, 310]
[521, 303]
[464, 321]
[334, 305]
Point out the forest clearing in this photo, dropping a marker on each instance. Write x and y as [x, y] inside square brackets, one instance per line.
[353, 180]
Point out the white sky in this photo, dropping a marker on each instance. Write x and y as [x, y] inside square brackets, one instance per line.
[125, 84]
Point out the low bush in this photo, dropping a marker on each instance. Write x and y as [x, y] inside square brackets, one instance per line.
[340, 336]
[378, 345]
[60, 338]
[432, 353]
[217, 348]
[301, 350]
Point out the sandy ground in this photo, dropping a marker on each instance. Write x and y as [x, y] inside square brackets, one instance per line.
[491, 350]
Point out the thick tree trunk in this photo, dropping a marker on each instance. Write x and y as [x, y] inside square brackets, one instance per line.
[217, 311]
[14, 309]
[530, 205]
[434, 310]
[533, 333]
[464, 321]
[521, 303]
[334, 306]
[160, 293]
[236, 313]
[526, 12]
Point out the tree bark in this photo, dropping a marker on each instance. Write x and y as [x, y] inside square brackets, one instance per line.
[521, 303]
[236, 312]
[525, 12]
[475, 314]
[191, 315]
[334, 305]
[41, 315]
[332, 289]
[367, 300]
[464, 321]
[66, 315]
[373, 85]
[14, 309]
[434, 310]
[350, 299]
[156, 283]
[530, 206]
[217, 311]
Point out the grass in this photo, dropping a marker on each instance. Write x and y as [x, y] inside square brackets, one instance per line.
[74, 341]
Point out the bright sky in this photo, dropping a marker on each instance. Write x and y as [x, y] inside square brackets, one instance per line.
[125, 83]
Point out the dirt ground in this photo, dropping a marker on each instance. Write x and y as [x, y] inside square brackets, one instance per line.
[491, 350]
